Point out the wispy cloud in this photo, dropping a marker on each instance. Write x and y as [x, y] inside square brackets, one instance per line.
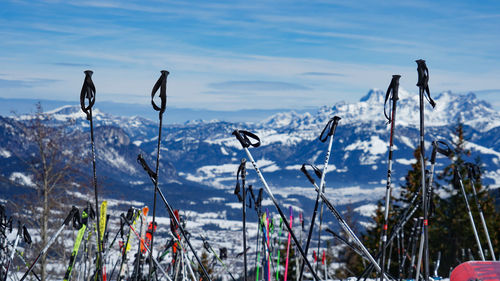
[5, 83]
[314, 73]
[258, 86]
[70, 64]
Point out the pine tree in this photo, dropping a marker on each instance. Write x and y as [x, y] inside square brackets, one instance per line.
[451, 229]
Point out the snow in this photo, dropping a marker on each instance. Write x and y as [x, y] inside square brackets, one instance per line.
[367, 210]
[374, 146]
[5, 153]
[116, 160]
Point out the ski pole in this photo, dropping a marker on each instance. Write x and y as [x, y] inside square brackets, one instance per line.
[66, 222]
[436, 267]
[132, 215]
[401, 222]
[145, 166]
[341, 221]
[268, 241]
[458, 181]
[474, 173]
[392, 92]
[347, 243]
[329, 129]
[89, 92]
[242, 171]
[279, 252]
[209, 248]
[86, 214]
[21, 231]
[145, 246]
[417, 234]
[242, 137]
[422, 83]
[161, 85]
[288, 244]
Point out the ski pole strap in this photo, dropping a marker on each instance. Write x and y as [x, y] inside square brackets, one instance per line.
[146, 168]
[88, 92]
[26, 235]
[446, 151]
[329, 128]
[423, 80]
[393, 88]
[77, 222]
[306, 173]
[72, 213]
[243, 137]
[161, 85]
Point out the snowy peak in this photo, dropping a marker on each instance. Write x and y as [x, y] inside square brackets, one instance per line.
[450, 109]
[374, 95]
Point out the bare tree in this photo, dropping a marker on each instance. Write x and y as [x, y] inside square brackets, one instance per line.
[52, 157]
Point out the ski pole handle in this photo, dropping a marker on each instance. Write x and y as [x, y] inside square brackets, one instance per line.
[434, 152]
[315, 169]
[329, 128]
[423, 80]
[447, 151]
[243, 168]
[394, 88]
[473, 170]
[88, 92]
[161, 85]
[72, 213]
[303, 169]
[26, 235]
[146, 168]
[243, 137]
[423, 73]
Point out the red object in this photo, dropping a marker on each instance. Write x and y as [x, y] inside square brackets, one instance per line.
[315, 257]
[324, 257]
[476, 270]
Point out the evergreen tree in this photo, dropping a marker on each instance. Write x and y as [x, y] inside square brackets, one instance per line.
[450, 229]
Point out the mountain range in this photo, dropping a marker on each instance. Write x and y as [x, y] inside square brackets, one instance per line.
[199, 159]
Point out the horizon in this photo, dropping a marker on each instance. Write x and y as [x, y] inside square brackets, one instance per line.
[12, 106]
[232, 56]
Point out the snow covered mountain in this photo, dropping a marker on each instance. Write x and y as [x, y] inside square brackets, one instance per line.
[199, 159]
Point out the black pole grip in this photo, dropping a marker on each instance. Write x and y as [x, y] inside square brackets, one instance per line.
[304, 170]
[394, 89]
[473, 171]
[329, 128]
[434, 152]
[243, 137]
[447, 151]
[72, 213]
[423, 79]
[258, 203]
[146, 168]
[88, 92]
[243, 168]
[161, 84]
[423, 73]
[26, 235]
[77, 222]
[19, 228]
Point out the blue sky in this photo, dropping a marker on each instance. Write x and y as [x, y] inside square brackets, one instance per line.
[230, 55]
